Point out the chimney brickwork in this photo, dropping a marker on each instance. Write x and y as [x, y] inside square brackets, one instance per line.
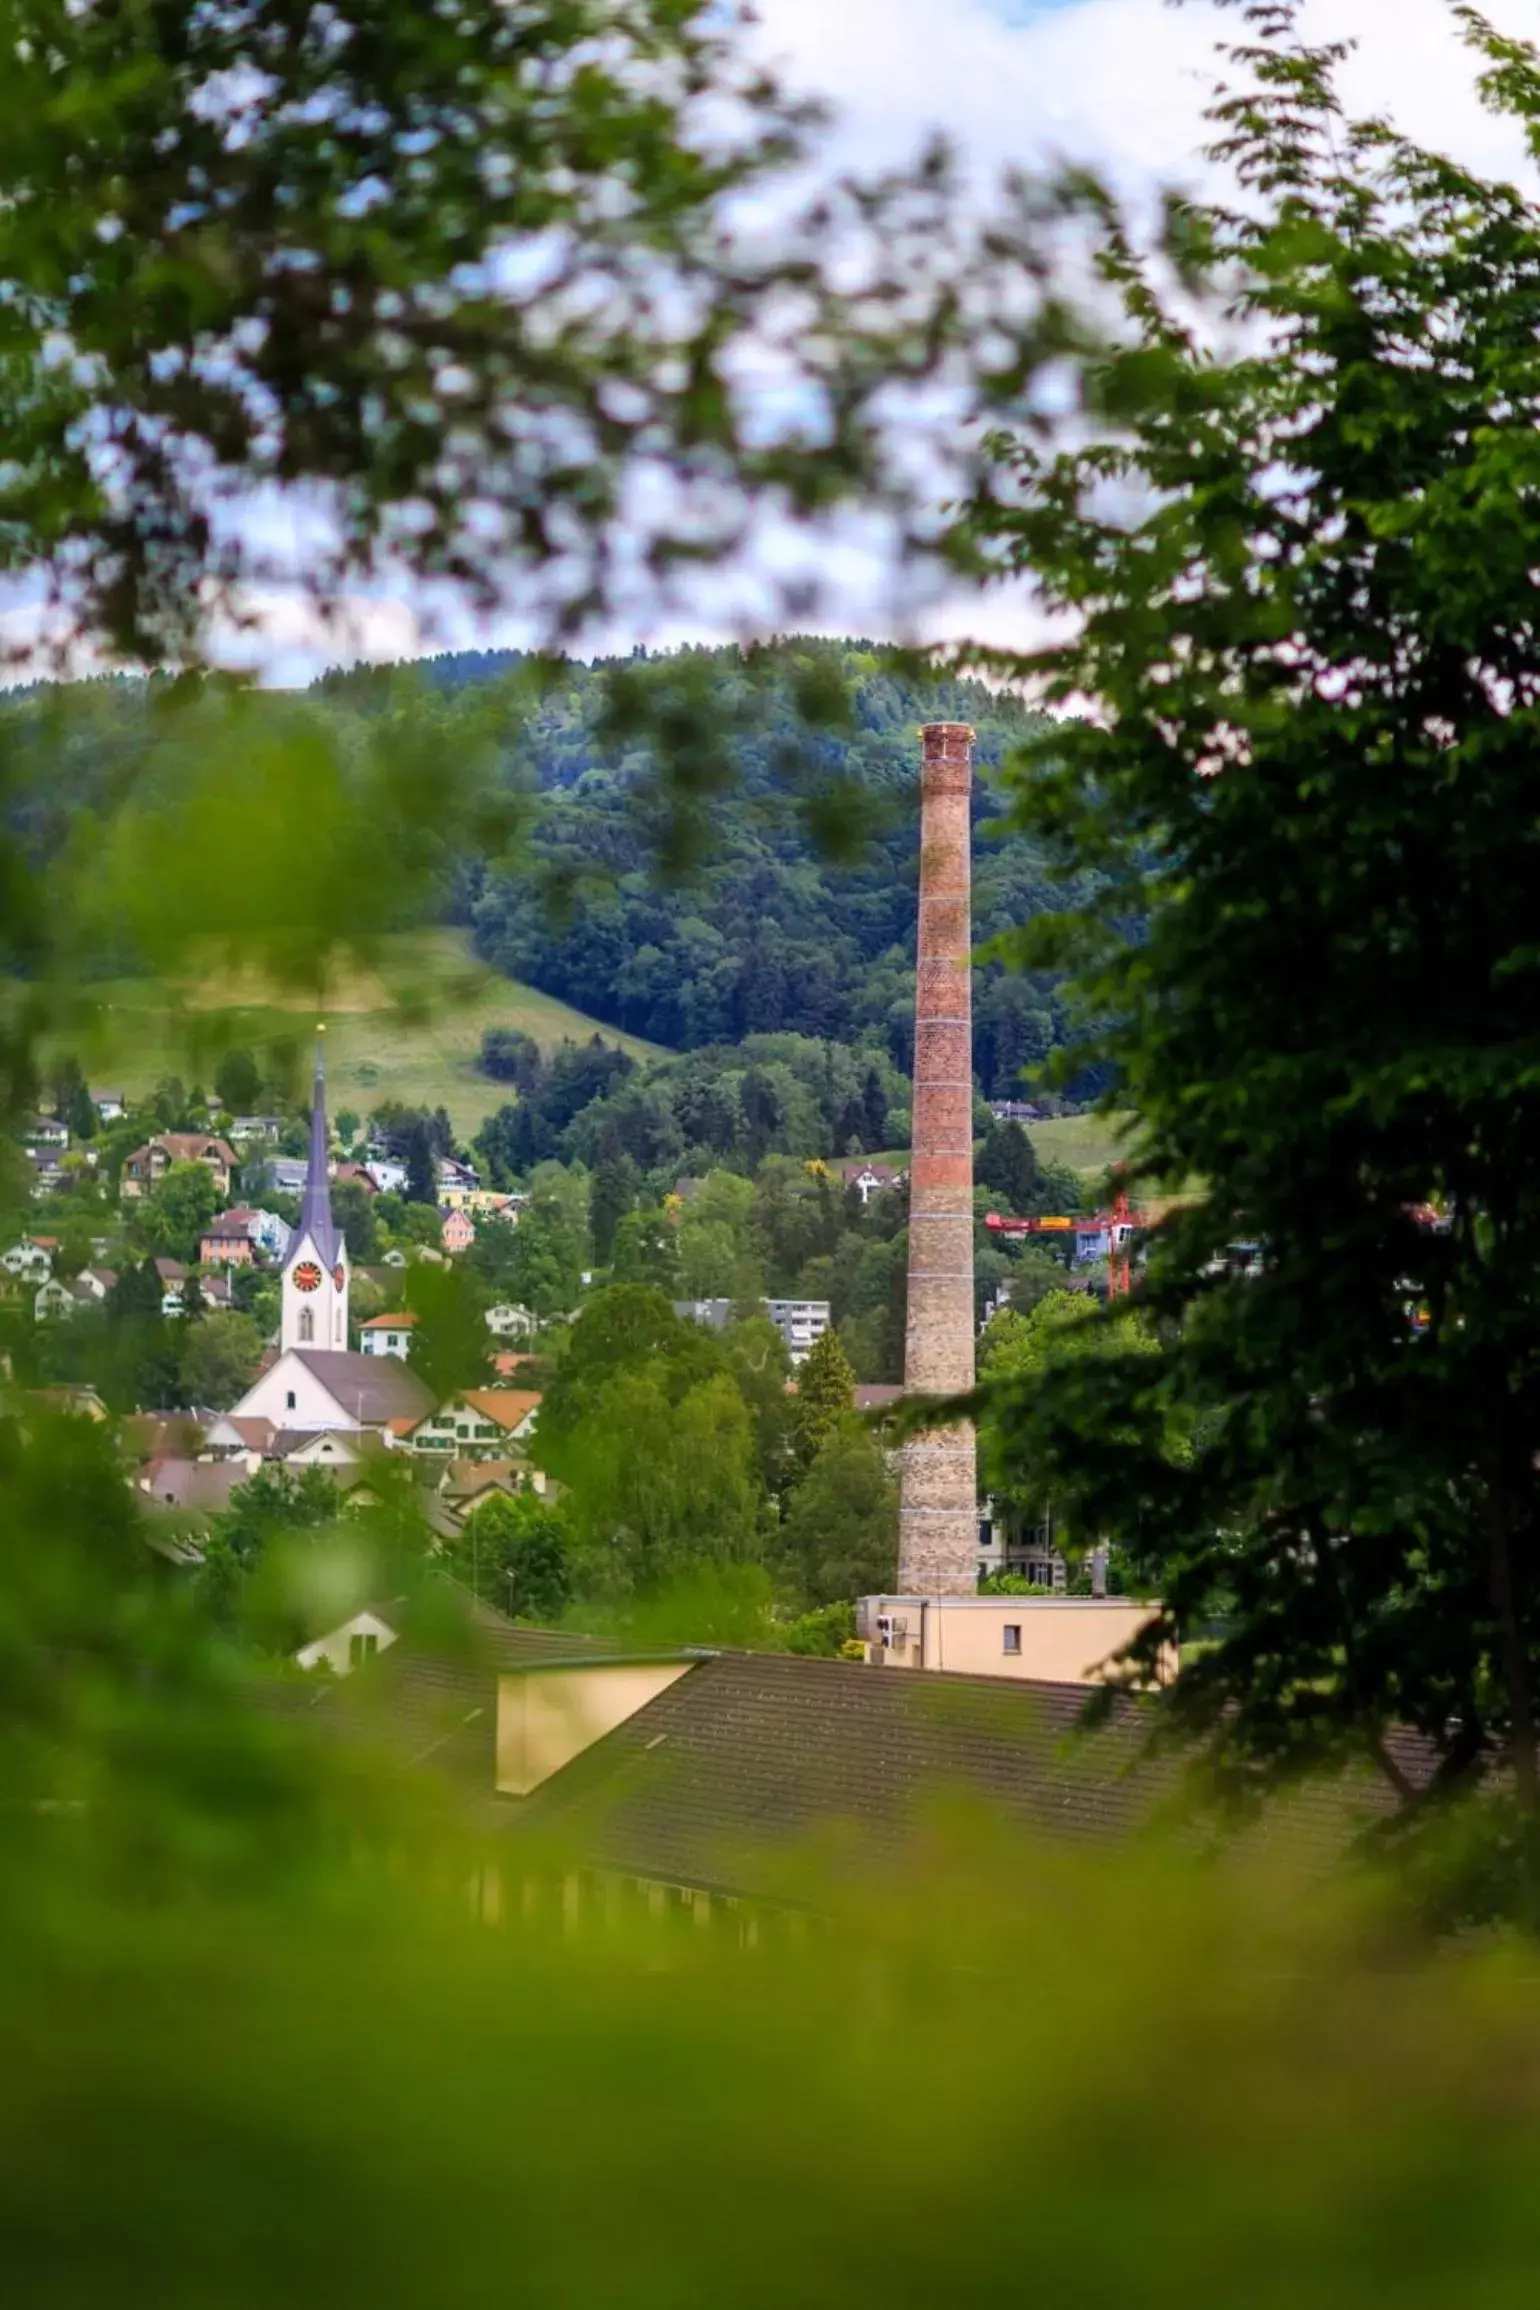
[938, 1524]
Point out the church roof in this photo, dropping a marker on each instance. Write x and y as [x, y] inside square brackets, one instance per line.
[375, 1389]
[315, 1211]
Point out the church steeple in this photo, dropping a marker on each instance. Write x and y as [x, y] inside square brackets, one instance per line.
[315, 1267]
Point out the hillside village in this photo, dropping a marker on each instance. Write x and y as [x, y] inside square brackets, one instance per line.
[254, 1293]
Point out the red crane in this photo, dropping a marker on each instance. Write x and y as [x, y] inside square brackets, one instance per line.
[1120, 1222]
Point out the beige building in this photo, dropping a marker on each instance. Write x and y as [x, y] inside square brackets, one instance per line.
[1045, 1639]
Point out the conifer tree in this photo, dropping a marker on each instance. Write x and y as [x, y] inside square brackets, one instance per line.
[825, 1392]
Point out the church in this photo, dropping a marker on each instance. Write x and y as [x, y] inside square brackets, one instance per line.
[318, 1382]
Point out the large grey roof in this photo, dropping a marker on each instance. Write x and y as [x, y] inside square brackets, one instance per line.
[315, 1211]
[373, 1388]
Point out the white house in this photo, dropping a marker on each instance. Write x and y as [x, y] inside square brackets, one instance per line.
[387, 1335]
[30, 1260]
[349, 1644]
[52, 1299]
[508, 1321]
[869, 1179]
[109, 1105]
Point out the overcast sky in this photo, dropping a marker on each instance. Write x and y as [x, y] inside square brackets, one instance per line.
[1121, 83]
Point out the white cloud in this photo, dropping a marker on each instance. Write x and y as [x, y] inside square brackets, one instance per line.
[1120, 82]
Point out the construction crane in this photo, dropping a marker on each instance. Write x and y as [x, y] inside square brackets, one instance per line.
[1120, 1222]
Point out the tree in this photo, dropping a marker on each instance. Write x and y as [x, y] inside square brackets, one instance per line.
[1308, 646]
[840, 1535]
[219, 1358]
[1007, 1165]
[612, 1198]
[172, 1218]
[80, 1115]
[659, 1483]
[825, 1392]
[874, 1112]
[521, 456]
[135, 1291]
[517, 1554]
[508, 1055]
[238, 1081]
[349, 1124]
[68, 1081]
[646, 1250]
[353, 1210]
[451, 1347]
[542, 1268]
[421, 1156]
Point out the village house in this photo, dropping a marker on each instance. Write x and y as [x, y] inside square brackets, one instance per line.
[30, 1259]
[110, 1105]
[509, 1321]
[285, 1174]
[387, 1335]
[45, 1131]
[458, 1233]
[52, 1299]
[148, 1165]
[47, 1171]
[362, 1174]
[869, 1179]
[481, 1423]
[92, 1285]
[465, 1484]
[233, 1239]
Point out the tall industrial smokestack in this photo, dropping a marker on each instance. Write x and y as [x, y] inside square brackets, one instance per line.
[938, 1523]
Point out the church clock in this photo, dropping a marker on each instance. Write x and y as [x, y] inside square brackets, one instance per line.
[307, 1276]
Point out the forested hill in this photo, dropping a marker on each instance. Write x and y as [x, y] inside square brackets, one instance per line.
[796, 910]
[713, 844]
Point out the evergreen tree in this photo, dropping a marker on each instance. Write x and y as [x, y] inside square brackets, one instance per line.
[67, 1083]
[1007, 1166]
[611, 1198]
[135, 1292]
[825, 1392]
[81, 1115]
[421, 1162]
[874, 1112]
[238, 1081]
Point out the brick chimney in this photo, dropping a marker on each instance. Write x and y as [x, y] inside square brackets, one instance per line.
[938, 1523]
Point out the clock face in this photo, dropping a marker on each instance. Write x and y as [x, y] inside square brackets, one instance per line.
[339, 1275]
[307, 1276]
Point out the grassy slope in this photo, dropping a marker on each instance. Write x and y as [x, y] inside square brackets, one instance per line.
[1087, 1144]
[408, 1031]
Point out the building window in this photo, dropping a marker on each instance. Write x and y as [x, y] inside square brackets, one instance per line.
[1012, 1634]
[362, 1648]
[306, 1324]
[289, 1400]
